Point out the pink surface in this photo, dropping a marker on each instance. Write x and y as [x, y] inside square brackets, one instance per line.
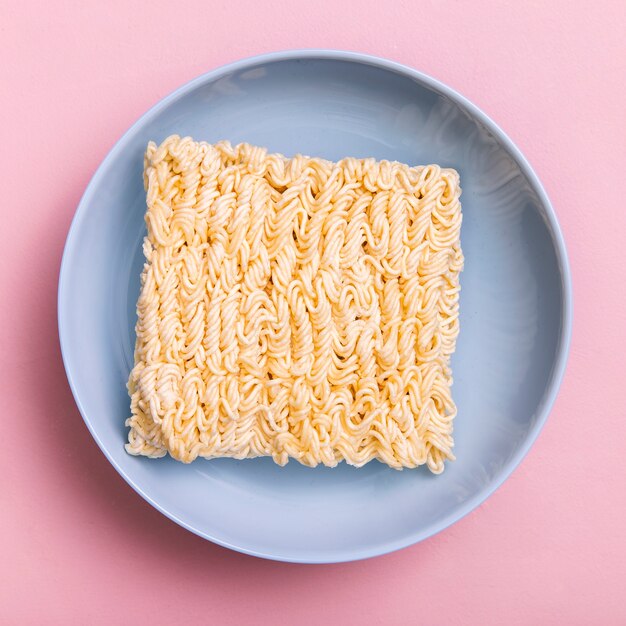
[78, 546]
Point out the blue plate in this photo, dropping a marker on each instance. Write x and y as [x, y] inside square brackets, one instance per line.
[516, 304]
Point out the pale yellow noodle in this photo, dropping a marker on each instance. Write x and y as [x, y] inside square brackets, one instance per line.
[295, 308]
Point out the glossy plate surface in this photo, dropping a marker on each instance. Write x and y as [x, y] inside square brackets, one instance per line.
[515, 304]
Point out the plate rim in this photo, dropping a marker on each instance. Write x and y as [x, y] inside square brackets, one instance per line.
[564, 340]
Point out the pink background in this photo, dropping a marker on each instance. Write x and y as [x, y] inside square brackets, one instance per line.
[77, 545]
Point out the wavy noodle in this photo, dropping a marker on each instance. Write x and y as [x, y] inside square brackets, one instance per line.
[295, 308]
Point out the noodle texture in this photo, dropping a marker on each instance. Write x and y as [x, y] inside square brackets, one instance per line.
[295, 308]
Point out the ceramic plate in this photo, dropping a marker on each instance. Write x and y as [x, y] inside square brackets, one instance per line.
[515, 304]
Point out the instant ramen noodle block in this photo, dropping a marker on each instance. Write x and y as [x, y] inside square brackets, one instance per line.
[295, 308]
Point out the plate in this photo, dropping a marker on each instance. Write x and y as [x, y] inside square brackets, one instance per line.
[515, 304]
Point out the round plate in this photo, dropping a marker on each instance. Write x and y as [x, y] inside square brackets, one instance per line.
[515, 304]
